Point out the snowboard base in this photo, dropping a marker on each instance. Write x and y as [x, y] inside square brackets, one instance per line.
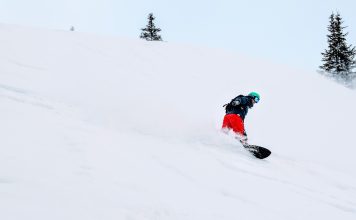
[257, 151]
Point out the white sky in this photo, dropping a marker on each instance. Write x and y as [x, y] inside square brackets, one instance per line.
[288, 32]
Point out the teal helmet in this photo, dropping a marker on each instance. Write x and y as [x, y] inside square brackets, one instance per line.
[255, 95]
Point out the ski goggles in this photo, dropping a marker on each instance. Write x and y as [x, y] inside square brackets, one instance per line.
[256, 99]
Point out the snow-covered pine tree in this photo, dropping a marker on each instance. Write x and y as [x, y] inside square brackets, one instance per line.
[338, 60]
[150, 32]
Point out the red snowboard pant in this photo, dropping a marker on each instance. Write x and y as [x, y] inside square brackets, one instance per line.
[234, 122]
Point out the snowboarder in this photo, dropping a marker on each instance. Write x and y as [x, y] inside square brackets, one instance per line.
[236, 111]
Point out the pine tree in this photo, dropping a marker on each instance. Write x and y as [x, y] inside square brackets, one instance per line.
[150, 33]
[338, 58]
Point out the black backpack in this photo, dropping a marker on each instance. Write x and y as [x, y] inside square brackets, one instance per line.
[229, 106]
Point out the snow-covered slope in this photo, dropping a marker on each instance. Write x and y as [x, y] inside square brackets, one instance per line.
[104, 128]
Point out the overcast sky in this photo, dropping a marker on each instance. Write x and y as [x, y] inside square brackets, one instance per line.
[291, 32]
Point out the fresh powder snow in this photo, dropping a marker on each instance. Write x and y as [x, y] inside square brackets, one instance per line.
[97, 127]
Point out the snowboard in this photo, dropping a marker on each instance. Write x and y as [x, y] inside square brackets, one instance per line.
[257, 151]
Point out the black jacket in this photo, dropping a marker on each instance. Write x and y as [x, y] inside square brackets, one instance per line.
[239, 106]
